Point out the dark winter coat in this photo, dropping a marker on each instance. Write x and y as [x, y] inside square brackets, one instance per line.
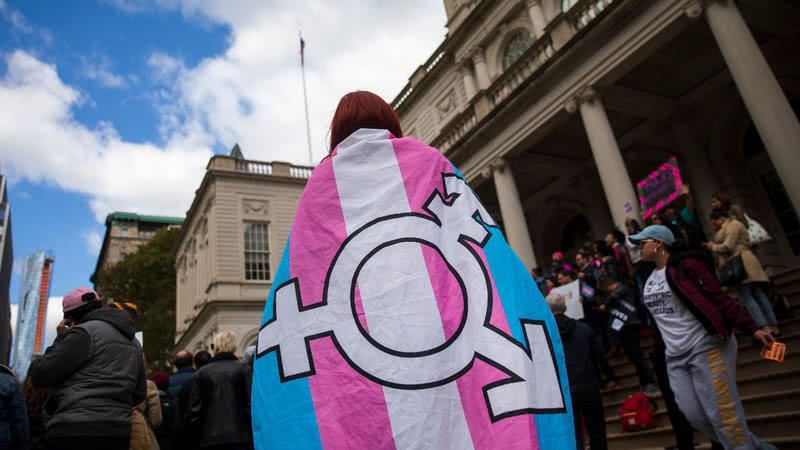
[96, 372]
[582, 351]
[13, 414]
[621, 306]
[166, 433]
[699, 290]
[219, 404]
[179, 378]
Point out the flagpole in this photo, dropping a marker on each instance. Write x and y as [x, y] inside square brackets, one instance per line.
[305, 100]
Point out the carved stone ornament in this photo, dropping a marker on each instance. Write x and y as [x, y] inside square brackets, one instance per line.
[694, 9]
[446, 105]
[255, 207]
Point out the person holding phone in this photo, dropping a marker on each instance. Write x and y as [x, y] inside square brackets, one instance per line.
[95, 371]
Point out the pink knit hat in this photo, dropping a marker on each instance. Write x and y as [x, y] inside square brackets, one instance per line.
[78, 297]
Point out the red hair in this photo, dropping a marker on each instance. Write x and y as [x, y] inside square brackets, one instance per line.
[362, 109]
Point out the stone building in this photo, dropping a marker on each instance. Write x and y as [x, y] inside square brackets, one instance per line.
[553, 109]
[6, 263]
[125, 233]
[230, 246]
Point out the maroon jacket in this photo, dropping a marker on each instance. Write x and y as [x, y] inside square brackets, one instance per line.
[700, 291]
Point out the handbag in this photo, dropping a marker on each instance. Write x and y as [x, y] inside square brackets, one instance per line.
[733, 272]
[757, 232]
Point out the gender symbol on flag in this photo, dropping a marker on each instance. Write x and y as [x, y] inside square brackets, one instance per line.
[532, 385]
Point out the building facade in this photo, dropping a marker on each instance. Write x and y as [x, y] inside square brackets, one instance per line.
[125, 233]
[231, 245]
[34, 292]
[6, 262]
[554, 109]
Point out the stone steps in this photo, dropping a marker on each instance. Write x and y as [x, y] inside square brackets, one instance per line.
[770, 390]
[750, 364]
[768, 427]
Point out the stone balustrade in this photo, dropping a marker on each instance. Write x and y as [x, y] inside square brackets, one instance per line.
[275, 168]
[459, 126]
[516, 75]
[585, 11]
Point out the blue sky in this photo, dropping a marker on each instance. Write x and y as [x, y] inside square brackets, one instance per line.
[85, 35]
[116, 105]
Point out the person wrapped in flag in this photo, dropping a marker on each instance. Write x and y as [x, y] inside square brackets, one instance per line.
[399, 317]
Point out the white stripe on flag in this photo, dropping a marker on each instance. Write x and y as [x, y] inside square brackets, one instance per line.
[397, 297]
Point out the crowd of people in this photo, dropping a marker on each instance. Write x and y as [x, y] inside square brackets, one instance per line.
[89, 390]
[690, 293]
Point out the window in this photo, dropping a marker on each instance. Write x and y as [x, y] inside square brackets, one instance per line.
[124, 232]
[256, 251]
[122, 256]
[516, 47]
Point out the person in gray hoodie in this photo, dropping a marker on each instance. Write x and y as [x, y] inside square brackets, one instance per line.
[95, 371]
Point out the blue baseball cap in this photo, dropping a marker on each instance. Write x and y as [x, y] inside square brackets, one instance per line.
[654, 232]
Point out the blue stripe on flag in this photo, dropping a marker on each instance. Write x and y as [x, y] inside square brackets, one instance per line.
[512, 279]
[283, 413]
[555, 431]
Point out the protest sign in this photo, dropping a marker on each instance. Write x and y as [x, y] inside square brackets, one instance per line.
[660, 188]
[572, 297]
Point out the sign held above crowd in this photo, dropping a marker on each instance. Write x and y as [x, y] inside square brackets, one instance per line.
[659, 188]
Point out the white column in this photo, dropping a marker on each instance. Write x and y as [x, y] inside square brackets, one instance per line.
[481, 71]
[514, 223]
[770, 110]
[537, 16]
[469, 80]
[613, 174]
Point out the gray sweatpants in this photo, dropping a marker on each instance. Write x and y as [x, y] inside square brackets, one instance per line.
[704, 382]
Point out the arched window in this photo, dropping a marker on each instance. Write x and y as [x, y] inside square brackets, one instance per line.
[516, 47]
[567, 4]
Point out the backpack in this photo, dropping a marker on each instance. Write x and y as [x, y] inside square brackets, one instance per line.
[638, 412]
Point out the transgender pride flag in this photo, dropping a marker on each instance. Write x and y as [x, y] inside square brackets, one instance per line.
[400, 318]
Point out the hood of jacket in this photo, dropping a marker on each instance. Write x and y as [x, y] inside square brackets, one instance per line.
[115, 317]
[566, 326]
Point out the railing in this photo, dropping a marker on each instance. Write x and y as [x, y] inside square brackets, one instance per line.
[456, 129]
[257, 167]
[521, 70]
[436, 58]
[276, 168]
[585, 11]
[300, 172]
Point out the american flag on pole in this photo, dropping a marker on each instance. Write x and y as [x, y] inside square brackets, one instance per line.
[302, 50]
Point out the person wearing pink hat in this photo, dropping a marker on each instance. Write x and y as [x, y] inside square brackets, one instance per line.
[95, 371]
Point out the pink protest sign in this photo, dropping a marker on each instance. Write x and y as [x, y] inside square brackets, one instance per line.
[660, 188]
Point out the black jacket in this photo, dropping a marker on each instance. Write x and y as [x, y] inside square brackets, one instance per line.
[219, 410]
[582, 351]
[96, 372]
[621, 305]
[13, 414]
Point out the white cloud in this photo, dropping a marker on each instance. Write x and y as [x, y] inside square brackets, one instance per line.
[98, 68]
[54, 316]
[41, 141]
[93, 241]
[250, 94]
[19, 24]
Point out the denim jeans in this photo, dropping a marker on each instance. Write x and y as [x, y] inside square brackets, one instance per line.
[757, 303]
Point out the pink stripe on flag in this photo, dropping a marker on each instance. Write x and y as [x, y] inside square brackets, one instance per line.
[510, 433]
[343, 399]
